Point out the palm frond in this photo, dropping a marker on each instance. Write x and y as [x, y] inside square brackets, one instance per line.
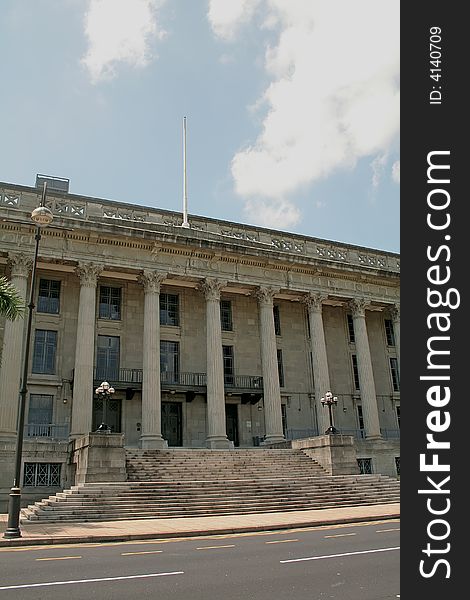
[12, 305]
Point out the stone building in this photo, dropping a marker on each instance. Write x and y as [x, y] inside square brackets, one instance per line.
[216, 335]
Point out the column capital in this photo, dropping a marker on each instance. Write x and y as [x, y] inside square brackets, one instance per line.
[265, 294]
[395, 312]
[88, 273]
[210, 287]
[20, 264]
[314, 301]
[151, 281]
[358, 307]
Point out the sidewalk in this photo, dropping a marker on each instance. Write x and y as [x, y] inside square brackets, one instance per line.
[68, 533]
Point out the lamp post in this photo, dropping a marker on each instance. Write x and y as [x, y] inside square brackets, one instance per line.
[42, 217]
[329, 400]
[104, 391]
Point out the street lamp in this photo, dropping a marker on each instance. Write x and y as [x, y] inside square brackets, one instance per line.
[329, 400]
[42, 217]
[104, 391]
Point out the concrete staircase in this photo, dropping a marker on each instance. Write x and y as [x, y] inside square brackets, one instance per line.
[190, 483]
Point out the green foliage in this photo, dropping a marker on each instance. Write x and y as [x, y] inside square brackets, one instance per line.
[11, 303]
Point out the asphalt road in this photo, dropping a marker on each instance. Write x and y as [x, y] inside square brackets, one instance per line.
[353, 562]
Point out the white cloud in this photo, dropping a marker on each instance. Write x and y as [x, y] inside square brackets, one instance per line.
[378, 167]
[333, 97]
[120, 31]
[396, 171]
[278, 214]
[226, 17]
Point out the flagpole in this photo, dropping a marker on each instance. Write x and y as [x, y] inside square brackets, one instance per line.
[185, 192]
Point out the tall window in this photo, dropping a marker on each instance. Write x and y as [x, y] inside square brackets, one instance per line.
[227, 352]
[49, 296]
[280, 367]
[398, 415]
[110, 303]
[277, 320]
[360, 417]
[395, 374]
[40, 409]
[390, 334]
[169, 309]
[107, 357]
[45, 348]
[226, 315]
[351, 334]
[284, 419]
[355, 372]
[169, 361]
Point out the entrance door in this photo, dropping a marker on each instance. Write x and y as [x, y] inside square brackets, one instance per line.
[108, 412]
[231, 422]
[172, 421]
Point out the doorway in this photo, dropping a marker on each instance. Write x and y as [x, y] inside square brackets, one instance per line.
[108, 412]
[231, 423]
[172, 423]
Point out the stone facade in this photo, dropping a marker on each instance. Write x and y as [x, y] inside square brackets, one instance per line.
[255, 326]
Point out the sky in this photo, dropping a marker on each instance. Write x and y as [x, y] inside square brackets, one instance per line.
[291, 106]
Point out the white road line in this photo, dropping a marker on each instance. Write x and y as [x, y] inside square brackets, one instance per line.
[59, 558]
[281, 541]
[339, 535]
[143, 552]
[49, 583]
[386, 530]
[338, 555]
[214, 547]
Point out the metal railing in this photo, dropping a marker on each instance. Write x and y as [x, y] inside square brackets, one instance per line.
[245, 382]
[134, 376]
[296, 434]
[46, 430]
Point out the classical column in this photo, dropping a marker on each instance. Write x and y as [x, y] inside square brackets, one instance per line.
[364, 366]
[216, 426]
[151, 389]
[321, 377]
[82, 406]
[11, 364]
[395, 312]
[271, 388]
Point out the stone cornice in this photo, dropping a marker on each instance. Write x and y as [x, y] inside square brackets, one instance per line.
[127, 220]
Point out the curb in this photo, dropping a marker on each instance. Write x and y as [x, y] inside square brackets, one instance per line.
[80, 539]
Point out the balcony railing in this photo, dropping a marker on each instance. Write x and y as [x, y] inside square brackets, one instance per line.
[47, 430]
[184, 379]
[244, 382]
[131, 377]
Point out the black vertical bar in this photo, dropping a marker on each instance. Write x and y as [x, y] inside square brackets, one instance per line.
[433, 324]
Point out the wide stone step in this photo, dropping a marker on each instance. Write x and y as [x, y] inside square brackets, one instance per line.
[168, 513]
[183, 483]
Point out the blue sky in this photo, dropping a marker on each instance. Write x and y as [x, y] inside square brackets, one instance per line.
[292, 108]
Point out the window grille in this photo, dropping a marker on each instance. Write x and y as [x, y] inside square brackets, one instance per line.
[365, 466]
[41, 474]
